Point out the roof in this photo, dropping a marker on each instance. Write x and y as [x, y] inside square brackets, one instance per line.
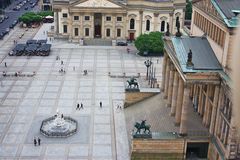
[227, 6]
[203, 57]
[225, 9]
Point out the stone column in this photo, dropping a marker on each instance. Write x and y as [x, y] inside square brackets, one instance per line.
[166, 79]
[140, 22]
[206, 107]
[174, 94]
[179, 102]
[171, 24]
[114, 27]
[185, 108]
[164, 71]
[200, 100]
[214, 110]
[170, 86]
[56, 21]
[93, 28]
[103, 27]
[216, 127]
[155, 22]
[81, 32]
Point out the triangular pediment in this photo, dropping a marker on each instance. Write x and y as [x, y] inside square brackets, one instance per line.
[97, 4]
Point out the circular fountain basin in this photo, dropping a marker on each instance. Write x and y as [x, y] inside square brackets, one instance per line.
[58, 127]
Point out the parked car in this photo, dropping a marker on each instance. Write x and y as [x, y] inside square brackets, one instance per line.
[121, 43]
[6, 17]
[26, 8]
[1, 20]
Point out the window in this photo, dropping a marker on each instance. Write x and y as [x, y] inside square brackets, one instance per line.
[118, 32]
[76, 18]
[119, 18]
[108, 32]
[177, 19]
[148, 25]
[108, 18]
[76, 31]
[64, 28]
[86, 32]
[87, 18]
[162, 26]
[64, 15]
[132, 23]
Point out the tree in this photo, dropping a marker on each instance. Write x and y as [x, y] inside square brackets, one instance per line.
[188, 13]
[151, 43]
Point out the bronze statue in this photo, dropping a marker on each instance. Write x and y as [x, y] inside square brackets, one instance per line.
[167, 33]
[132, 81]
[142, 125]
[178, 34]
[189, 60]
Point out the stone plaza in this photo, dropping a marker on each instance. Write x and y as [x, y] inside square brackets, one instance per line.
[26, 101]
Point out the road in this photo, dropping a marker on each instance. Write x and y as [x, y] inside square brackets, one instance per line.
[13, 15]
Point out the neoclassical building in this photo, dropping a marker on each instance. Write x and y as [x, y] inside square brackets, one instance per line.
[205, 83]
[119, 19]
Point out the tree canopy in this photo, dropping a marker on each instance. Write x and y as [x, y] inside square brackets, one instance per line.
[151, 43]
[32, 17]
[188, 13]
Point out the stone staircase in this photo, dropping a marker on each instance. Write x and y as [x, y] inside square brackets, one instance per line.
[98, 42]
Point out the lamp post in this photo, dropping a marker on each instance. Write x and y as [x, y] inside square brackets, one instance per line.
[147, 63]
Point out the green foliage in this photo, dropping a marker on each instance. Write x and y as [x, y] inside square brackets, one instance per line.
[45, 13]
[188, 13]
[32, 17]
[151, 43]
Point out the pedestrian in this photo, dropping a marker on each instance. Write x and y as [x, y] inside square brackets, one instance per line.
[62, 116]
[77, 106]
[157, 60]
[128, 50]
[35, 141]
[73, 68]
[81, 106]
[100, 104]
[5, 63]
[61, 62]
[39, 141]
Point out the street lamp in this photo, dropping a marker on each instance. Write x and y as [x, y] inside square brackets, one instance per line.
[147, 63]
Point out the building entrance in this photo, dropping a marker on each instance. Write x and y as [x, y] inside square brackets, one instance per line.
[97, 25]
[197, 150]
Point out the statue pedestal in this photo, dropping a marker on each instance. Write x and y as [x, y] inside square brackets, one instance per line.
[132, 89]
[142, 135]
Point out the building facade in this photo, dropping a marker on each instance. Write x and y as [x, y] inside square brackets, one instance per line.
[206, 87]
[46, 5]
[108, 19]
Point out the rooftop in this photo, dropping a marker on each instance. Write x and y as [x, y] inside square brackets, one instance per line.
[203, 57]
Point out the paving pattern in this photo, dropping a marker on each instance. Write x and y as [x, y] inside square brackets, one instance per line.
[26, 101]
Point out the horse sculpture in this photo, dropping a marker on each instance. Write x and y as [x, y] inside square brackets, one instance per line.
[132, 82]
[142, 125]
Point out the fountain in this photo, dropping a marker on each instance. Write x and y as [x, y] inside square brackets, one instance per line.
[58, 126]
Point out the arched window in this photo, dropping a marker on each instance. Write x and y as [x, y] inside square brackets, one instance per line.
[162, 26]
[177, 19]
[132, 23]
[148, 25]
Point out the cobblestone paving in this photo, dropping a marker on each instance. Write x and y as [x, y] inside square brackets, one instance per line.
[26, 101]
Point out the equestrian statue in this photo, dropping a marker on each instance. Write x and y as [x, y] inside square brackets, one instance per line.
[132, 81]
[144, 126]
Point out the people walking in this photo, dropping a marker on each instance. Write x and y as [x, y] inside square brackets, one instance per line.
[73, 68]
[39, 141]
[61, 62]
[5, 64]
[35, 141]
[100, 104]
[81, 106]
[78, 107]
